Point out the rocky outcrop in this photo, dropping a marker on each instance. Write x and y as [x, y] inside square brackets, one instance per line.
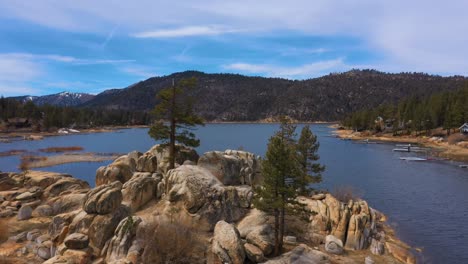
[203, 194]
[182, 154]
[301, 254]
[139, 190]
[120, 170]
[119, 245]
[231, 167]
[147, 163]
[227, 244]
[352, 223]
[103, 199]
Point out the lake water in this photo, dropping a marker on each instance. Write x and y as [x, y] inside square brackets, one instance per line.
[426, 202]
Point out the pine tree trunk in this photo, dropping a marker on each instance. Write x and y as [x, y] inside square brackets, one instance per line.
[173, 132]
[281, 233]
[277, 223]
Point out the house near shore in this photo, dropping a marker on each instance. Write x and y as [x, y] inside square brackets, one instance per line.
[18, 122]
[464, 128]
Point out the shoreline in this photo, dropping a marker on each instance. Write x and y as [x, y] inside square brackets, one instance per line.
[439, 149]
[5, 137]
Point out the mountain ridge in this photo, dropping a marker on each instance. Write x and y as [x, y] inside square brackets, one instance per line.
[236, 97]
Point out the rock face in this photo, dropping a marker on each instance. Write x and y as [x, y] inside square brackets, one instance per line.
[118, 246]
[231, 167]
[203, 194]
[301, 254]
[147, 163]
[353, 223]
[139, 190]
[182, 154]
[120, 170]
[103, 199]
[227, 244]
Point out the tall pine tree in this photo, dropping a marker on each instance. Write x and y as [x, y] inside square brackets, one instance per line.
[175, 118]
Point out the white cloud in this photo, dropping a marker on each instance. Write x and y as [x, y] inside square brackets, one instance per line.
[299, 72]
[409, 35]
[189, 31]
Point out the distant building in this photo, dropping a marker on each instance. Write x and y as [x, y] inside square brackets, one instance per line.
[464, 128]
[18, 122]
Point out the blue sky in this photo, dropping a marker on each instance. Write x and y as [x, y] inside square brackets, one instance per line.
[50, 46]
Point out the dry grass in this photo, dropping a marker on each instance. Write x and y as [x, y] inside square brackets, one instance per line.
[172, 242]
[346, 193]
[61, 149]
[455, 138]
[4, 231]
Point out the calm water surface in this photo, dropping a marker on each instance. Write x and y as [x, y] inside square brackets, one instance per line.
[426, 202]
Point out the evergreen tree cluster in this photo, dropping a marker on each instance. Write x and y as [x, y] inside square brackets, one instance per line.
[46, 117]
[289, 167]
[448, 110]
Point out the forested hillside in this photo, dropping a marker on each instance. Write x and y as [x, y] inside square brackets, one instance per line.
[233, 97]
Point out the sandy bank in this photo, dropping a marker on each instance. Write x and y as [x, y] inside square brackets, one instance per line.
[47, 161]
[439, 148]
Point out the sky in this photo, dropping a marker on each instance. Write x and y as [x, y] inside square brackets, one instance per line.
[50, 46]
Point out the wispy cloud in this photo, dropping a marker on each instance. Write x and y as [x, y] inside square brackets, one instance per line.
[109, 37]
[299, 72]
[189, 31]
[60, 58]
[140, 71]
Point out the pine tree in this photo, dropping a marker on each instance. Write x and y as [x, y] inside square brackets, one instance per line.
[176, 108]
[281, 171]
[307, 148]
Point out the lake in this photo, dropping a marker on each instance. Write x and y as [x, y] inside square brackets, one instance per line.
[426, 202]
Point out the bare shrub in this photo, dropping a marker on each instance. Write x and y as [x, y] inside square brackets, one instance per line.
[455, 138]
[346, 193]
[172, 242]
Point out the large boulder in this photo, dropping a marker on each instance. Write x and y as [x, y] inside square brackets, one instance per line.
[119, 245]
[231, 167]
[333, 245]
[251, 221]
[139, 190]
[103, 199]
[253, 253]
[25, 212]
[227, 244]
[182, 154]
[262, 237]
[66, 203]
[147, 163]
[66, 185]
[76, 241]
[301, 254]
[120, 170]
[203, 194]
